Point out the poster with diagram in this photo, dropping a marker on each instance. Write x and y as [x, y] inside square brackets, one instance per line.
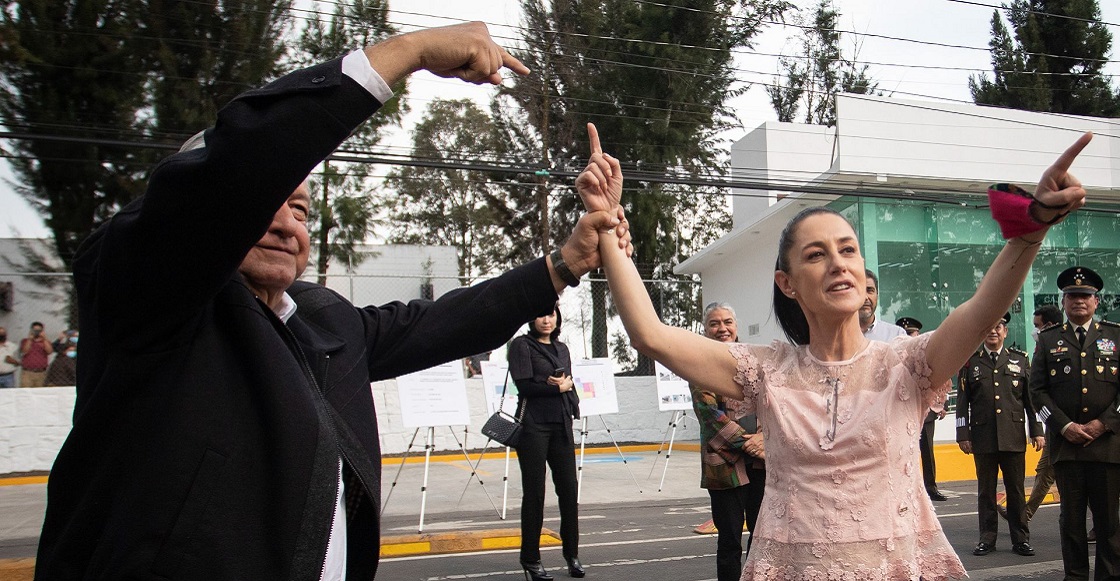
[672, 391]
[493, 375]
[436, 396]
[594, 379]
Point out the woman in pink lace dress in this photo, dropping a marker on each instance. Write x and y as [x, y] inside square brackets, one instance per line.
[841, 415]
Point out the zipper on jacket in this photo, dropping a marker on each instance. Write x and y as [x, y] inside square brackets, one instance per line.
[305, 363]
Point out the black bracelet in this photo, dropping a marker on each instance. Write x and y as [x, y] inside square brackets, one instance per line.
[562, 269]
[1052, 221]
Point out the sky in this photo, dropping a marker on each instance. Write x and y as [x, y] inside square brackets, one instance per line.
[946, 43]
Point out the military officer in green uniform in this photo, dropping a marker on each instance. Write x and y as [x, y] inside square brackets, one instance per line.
[1074, 386]
[994, 415]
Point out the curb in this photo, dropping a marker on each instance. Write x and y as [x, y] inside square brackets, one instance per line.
[465, 542]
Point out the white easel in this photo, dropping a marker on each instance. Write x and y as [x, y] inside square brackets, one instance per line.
[678, 417]
[582, 442]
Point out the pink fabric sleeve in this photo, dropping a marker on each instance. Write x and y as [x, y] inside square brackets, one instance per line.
[748, 376]
[912, 352]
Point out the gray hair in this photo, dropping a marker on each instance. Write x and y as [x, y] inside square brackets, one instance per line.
[715, 306]
[196, 141]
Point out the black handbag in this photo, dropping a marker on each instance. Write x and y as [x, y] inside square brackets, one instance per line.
[502, 427]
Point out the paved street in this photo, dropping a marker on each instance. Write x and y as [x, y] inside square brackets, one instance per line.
[629, 529]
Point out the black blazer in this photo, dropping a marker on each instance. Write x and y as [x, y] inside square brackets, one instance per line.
[207, 433]
[530, 366]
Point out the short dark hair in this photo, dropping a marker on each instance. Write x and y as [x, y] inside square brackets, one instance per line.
[555, 334]
[871, 275]
[790, 316]
[1050, 315]
[36, 324]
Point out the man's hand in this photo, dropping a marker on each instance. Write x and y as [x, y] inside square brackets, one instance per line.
[966, 446]
[461, 51]
[1095, 429]
[1058, 188]
[1039, 442]
[755, 445]
[581, 251]
[1076, 434]
[600, 183]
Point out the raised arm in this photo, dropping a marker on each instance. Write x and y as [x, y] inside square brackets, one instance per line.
[1058, 193]
[703, 362]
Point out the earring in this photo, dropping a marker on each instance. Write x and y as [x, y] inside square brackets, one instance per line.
[792, 293]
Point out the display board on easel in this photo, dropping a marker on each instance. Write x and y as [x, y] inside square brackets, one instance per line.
[436, 396]
[594, 379]
[672, 391]
[494, 374]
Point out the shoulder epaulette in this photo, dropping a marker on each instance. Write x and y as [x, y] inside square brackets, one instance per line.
[1107, 323]
[1018, 351]
[1052, 328]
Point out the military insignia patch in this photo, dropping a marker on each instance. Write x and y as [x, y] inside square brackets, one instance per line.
[1067, 369]
[1106, 346]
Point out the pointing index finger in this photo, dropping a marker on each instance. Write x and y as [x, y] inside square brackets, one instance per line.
[593, 135]
[1066, 159]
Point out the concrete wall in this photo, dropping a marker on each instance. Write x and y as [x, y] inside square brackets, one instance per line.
[34, 423]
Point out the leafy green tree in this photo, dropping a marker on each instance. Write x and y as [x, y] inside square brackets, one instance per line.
[659, 101]
[456, 207]
[344, 214]
[813, 78]
[1055, 62]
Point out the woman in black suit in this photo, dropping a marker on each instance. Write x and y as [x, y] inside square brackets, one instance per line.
[540, 366]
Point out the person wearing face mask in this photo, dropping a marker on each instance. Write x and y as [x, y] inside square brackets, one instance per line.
[1076, 389]
[63, 370]
[8, 362]
[992, 405]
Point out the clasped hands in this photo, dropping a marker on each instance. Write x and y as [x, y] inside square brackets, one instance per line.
[1084, 434]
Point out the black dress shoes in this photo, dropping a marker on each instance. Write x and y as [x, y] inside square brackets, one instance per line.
[935, 494]
[534, 571]
[985, 548]
[1023, 549]
[575, 568]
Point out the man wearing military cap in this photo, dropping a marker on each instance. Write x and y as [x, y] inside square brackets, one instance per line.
[993, 404]
[1074, 386]
[912, 327]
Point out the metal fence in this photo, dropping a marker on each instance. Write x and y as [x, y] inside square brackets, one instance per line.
[590, 326]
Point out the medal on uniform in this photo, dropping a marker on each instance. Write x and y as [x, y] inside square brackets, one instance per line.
[1014, 368]
[1067, 370]
[1014, 383]
[1100, 369]
[1105, 346]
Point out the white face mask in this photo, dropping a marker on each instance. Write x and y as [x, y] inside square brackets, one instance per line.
[1034, 335]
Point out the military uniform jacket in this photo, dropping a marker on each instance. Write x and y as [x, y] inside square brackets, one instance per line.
[993, 403]
[1074, 384]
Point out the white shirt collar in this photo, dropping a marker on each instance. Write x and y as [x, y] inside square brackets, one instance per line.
[285, 308]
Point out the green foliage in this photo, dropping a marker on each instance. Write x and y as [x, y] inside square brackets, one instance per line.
[658, 99]
[1055, 62]
[813, 78]
[344, 212]
[456, 207]
[69, 71]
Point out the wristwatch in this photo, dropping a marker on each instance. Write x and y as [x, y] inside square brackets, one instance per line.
[562, 269]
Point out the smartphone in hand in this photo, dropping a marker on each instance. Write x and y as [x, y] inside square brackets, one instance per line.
[560, 372]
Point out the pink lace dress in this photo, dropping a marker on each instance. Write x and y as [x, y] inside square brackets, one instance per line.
[844, 492]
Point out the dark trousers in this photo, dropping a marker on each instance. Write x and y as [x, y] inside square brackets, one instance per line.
[925, 445]
[730, 509]
[988, 467]
[1095, 485]
[551, 443]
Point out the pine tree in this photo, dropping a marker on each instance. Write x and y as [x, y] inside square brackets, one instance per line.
[1055, 62]
[813, 78]
[655, 78]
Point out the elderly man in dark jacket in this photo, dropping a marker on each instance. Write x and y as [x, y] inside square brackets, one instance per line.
[224, 425]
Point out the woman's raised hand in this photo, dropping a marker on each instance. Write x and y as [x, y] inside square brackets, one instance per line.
[600, 183]
[1058, 190]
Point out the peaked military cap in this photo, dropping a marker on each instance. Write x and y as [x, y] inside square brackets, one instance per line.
[909, 323]
[1079, 279]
